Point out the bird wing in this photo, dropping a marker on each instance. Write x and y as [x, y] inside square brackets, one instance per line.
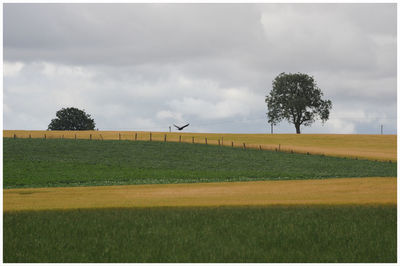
[185, 126]
[176, 126]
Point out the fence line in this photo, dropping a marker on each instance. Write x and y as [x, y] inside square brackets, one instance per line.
[149, 136]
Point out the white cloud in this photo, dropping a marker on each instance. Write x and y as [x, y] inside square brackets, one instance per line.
[227, 103]
[338, 125]
[165, 114]
[65, 71]
[12, 69]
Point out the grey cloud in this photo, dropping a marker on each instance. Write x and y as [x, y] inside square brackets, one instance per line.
[140, 33]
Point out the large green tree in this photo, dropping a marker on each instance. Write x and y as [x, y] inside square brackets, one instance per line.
[296, 98]
[72, 119]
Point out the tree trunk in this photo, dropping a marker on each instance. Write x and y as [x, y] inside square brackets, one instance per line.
[297, 128]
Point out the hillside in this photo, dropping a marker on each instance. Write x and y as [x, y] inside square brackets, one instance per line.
[62, 162]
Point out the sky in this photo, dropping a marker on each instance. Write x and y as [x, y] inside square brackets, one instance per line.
[149, 66]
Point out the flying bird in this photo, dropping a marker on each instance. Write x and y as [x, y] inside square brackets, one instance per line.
[180, 128]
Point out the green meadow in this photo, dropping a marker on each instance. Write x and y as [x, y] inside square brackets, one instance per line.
[57, 162]
[225, 234]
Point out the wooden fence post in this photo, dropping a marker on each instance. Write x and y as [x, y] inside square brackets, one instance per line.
[165, 137]
[244, 146]
[119, 136]
[180, 138]
[101, 137]
[279, 147]
[205, 139]
[192, 140]
[44, 136]
[150, 136]
[136, 136]
[90, 136]
[232, 144]
[75, 136]
[260, 148]
[219, 143]
[15, 136]
[30, 136]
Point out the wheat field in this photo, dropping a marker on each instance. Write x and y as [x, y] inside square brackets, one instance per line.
[335, 191]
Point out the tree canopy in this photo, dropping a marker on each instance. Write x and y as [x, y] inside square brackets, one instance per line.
[72, 119]
[296, 98]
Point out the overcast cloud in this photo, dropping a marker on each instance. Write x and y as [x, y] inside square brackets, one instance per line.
[146, 66]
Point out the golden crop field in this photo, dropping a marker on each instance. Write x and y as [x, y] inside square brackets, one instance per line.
[373, 147]
[337, 191]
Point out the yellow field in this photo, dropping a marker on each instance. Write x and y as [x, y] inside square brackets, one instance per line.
[373, 147]
[378, 190]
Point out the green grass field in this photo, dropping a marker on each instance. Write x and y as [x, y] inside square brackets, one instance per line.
[234, 234]
[57, 162]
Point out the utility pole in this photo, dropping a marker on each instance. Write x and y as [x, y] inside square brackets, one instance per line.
[169, 129]
[272, 128]
[381, 129]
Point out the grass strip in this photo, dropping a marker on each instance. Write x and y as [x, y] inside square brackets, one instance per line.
[224, 234]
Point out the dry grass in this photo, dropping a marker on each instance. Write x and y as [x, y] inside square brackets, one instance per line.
[373, 147]
[359, 191]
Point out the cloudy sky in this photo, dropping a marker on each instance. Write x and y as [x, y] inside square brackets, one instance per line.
[147, 66]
